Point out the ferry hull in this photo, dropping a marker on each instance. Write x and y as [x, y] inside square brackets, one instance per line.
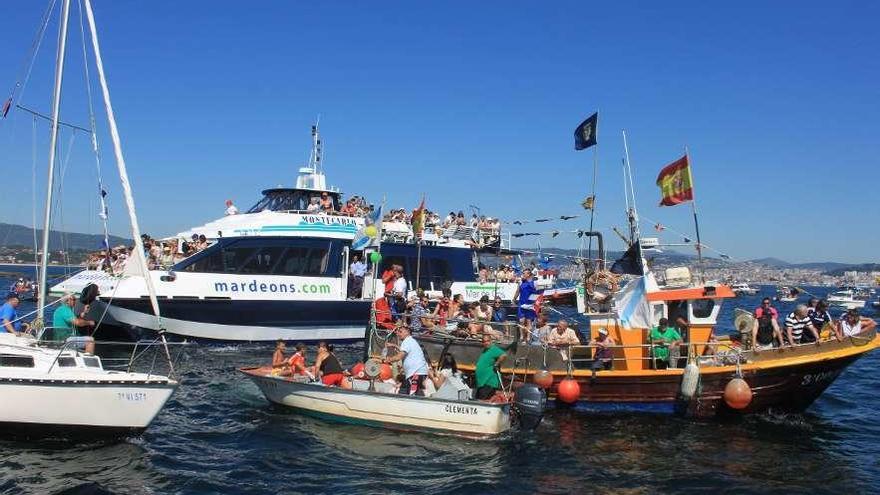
[248, 321]
[392, 411]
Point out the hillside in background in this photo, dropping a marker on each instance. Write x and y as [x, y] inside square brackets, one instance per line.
[19, 235]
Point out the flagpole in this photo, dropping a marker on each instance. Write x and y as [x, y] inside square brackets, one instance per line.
[696, 221]
[418, 237]
[593, 193]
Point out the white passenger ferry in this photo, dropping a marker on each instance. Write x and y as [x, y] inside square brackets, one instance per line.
[280, 272]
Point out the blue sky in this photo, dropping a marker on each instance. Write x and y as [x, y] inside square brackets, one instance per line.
[475, 103]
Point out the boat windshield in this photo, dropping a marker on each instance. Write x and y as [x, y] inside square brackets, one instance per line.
[284, 199]
[262, 256]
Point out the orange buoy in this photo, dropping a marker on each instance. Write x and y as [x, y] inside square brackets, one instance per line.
[737, 394]
[385, 372]
[568, 391]
[358, 370]
[543, 378]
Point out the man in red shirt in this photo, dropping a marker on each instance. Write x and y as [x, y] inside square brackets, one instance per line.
[766, 327]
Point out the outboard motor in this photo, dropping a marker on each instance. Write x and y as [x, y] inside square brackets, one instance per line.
[529, 403]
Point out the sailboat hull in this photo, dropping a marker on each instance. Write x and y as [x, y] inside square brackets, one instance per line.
[74, 408]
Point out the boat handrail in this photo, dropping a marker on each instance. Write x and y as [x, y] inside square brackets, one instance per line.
[126, 363]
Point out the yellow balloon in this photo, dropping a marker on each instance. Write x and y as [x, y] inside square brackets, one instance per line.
[370, 231]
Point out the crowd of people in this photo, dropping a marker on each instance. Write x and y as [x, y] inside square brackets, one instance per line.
[159, 253]
[808, 323]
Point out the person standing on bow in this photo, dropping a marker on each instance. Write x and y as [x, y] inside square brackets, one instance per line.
[526, 294]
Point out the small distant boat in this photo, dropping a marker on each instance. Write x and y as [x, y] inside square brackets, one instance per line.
[786, 294]
[743, 289]
[375, 404]
[845, 299]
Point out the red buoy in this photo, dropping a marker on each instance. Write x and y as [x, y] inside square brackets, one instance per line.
[737, 394]
[385, 372]
[568, 391]
[358, 370]
[543, 378]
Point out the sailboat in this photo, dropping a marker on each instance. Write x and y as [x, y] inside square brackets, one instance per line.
[68, 392]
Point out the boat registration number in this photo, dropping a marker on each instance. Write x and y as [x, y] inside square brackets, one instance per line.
[132, 396]
[817, 378]
[456, 409]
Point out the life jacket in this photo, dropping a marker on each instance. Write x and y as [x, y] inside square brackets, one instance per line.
[383, 314]
[297, 358]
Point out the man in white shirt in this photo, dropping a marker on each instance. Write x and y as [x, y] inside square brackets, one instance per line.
[230, 208]
[356, 273]
[853, 323]
[415, 367]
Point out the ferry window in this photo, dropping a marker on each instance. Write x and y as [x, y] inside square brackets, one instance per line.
[211, 263]
[702, 308]
[441, 275]
[306, 261]
[261, 261]
[66, 362]
[13, 361]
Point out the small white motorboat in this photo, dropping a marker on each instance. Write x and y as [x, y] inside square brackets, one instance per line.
[785, 294]
[66, 393]
[374, 403]
[845, 299]
[743, 289]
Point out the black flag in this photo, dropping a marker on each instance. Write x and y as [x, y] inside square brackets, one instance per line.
[585, 134]
[630, 263]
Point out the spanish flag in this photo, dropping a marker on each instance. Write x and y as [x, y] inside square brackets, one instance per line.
[418, 220]
[676, 184]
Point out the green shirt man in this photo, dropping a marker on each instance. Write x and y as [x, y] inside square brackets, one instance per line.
[485, 369]
[63, 322]
[661, 336]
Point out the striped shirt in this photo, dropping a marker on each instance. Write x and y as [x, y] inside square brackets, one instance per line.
[796, 325]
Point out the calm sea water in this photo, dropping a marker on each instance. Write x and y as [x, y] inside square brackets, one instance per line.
[219, 435]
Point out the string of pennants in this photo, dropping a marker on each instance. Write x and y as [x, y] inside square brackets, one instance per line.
[659, 227]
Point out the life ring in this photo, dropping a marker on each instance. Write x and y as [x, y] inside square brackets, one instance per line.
[601, 279]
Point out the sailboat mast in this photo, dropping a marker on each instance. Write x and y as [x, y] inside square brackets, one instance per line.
[120, 160]
[633, 213]
[53, 144]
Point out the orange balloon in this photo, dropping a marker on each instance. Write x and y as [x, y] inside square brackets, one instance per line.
[568, 391]
[737, 394]
[543, 378]
[385, 372]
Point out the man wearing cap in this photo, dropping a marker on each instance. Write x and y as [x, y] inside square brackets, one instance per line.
[65, 322]
[8, 316]
[603, 354]
[230, 208]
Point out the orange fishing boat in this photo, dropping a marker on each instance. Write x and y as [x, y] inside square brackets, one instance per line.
[705, 380]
